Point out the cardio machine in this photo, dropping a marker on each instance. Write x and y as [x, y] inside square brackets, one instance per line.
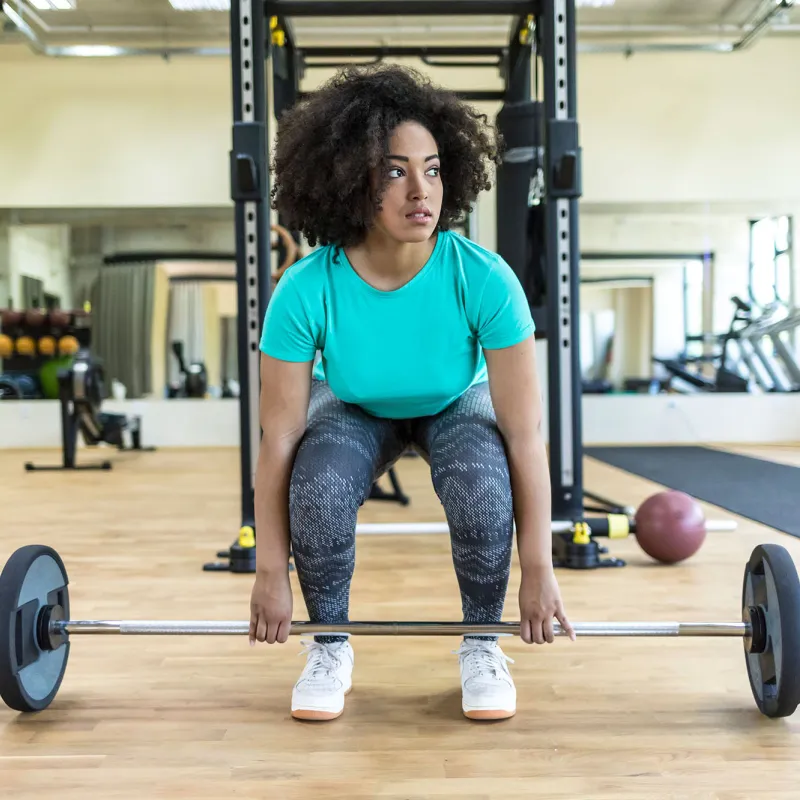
[726, 377]
[81, 391]
[768, 356]
[194, 377]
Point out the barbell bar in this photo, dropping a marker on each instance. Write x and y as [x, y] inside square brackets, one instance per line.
[235, 628]
[556, 526]
[36, 632]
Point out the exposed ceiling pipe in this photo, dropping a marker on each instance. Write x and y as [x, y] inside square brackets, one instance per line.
[682, 30]
[23, 28]
[756, 11]
[760, 27]
[671, 47]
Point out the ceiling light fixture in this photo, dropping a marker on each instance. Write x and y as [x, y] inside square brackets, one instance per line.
[200, 5]
[53, 5]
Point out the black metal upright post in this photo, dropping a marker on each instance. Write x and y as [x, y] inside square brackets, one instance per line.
[286, 65]
[518, 64]
[286, 70]
[249, 170]
[562, 190]
[519, 209]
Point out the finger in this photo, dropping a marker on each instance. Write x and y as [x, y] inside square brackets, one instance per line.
[272, 632]
[284, 629]
[525, 631]
[536, 630]
[566, 625]
[547, 629]
[261, 629]
[252, 632]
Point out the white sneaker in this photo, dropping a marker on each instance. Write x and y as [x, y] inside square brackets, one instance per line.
[325, 680]
[487, 688]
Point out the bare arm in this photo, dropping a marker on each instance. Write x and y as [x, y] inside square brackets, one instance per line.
[285, 391]
[516, 396]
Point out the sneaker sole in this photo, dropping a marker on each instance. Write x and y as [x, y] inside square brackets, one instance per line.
[318, 714]
[489, 713]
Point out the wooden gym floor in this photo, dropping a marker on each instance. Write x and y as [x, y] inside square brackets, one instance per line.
[191, 717]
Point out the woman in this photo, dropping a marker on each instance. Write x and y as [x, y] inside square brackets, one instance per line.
[426, 341]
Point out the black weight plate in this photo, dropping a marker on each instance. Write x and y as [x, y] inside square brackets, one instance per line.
[771, 583]
[33, 577]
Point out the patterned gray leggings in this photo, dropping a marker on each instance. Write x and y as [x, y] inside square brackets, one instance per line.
[344, 450]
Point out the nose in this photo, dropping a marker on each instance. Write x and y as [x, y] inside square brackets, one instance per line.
[418, 189]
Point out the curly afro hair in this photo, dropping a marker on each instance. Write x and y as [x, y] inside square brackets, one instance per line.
[329, 142]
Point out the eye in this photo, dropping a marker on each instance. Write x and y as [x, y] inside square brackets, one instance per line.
[433, 172]
[395, 172]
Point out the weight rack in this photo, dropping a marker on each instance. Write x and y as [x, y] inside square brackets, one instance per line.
[542, 29]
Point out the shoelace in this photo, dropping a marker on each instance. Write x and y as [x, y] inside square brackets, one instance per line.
[484, 657]
[322, 662]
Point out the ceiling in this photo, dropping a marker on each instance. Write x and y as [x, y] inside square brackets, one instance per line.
[155, 24]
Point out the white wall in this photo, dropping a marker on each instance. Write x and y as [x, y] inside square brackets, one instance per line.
[138, 132]
[40, 251]
[692, 127]
[105, 132]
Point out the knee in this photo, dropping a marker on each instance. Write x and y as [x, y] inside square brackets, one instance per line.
[326, 481]
[470, 472]
[477, 501]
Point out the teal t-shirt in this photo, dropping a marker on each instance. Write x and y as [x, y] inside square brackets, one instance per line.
[404, 353]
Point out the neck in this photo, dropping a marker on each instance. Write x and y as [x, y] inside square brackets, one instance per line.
[388, 257]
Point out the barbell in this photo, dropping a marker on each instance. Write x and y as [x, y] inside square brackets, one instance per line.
[36, 630]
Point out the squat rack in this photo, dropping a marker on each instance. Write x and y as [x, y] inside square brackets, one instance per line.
[547, 26]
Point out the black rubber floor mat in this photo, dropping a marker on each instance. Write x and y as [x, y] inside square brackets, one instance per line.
[760, 490]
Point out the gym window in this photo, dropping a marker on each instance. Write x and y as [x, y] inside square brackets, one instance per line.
[770, 278]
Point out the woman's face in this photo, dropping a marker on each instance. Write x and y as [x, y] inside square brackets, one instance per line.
[412, 195]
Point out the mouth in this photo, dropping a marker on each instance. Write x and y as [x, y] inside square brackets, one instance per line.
[420, 215]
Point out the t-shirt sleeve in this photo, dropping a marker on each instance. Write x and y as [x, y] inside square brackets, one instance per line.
[504, 315]
[288, 332]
